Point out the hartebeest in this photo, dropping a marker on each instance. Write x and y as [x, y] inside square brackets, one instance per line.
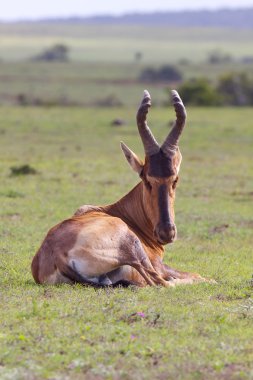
[123, 243]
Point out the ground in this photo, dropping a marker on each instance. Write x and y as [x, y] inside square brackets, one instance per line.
[73, 332]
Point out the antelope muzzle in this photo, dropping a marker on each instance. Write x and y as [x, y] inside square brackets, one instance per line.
[165, 232]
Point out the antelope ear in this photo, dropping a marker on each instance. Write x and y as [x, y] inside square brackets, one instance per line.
[132, 159]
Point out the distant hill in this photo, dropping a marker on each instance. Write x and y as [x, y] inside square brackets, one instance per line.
[229, 18]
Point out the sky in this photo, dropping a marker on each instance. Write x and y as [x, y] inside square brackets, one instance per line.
[31, 9]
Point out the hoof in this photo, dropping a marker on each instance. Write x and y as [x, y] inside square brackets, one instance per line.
[192, 280]
[197, 278]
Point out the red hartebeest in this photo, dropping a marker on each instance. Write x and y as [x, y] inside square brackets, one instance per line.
[122, 243]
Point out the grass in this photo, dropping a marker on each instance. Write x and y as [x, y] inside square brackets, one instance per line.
[119, 43]
[80, 83]
[103, 62]
[72, 332]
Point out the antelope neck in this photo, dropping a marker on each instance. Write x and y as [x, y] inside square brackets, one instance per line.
[131, 210]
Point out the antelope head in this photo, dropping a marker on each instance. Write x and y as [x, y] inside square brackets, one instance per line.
[159, 172]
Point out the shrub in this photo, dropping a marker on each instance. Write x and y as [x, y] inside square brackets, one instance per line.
[199, 92]
[236, 89]
[58, 52]
[138, 56]
[248, 59]
[166, 73]
[22, 170]
[217, 57]
[148, 75]
[169, 73]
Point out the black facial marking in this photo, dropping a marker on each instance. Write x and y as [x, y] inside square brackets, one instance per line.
[163, 204]
[160, 165]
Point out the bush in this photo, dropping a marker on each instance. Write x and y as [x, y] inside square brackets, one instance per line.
[148, 75]
[199, 92]
[236, 89]
[217, 57]
[248, 59]
[57, 52]
[138, 56]
[22, 170]
[232, 89]
[165, 73]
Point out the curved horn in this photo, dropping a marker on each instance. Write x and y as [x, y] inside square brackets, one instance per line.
[169, 146]
[149, 142]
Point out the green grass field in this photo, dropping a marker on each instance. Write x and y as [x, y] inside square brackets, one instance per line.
[103, 68]
[119, 43]
[98, 84]
[87, 84]
[71, 332]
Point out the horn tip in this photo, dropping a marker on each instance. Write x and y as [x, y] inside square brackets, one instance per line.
[175, 94]
[146, 94]
[176, 97]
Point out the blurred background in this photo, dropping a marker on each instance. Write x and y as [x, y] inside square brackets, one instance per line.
[104, 54]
